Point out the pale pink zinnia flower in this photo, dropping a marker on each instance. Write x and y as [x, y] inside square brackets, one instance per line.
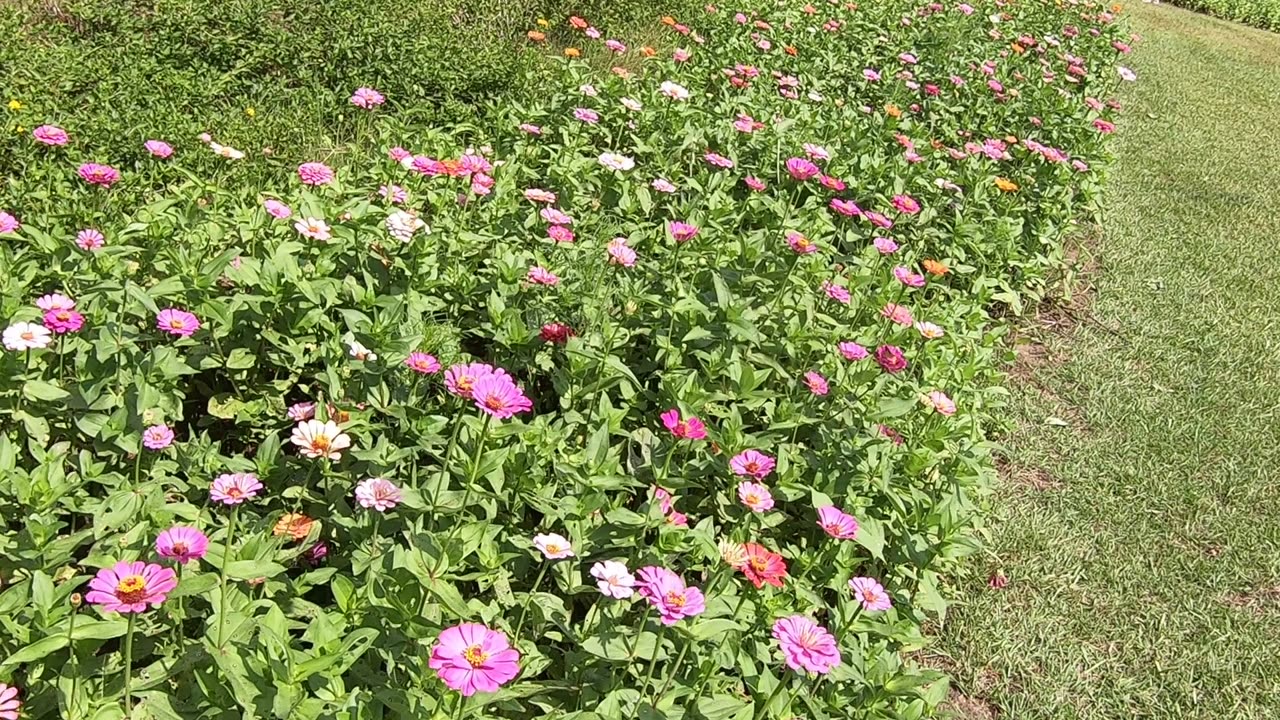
[499, 396]
[816, 152]
[870, 593]
[393, 194]
[620, 253]
[614, 161]
[183, 544]
[423, 363]
[8, 223]
[177, 322]
[378, 494]
[816, 383]
[898, 314]
[752, 463]
[663, 185]
[839, 293]
[539, 195]
[234, 488]
[718, 160]
[315, 174]
[613, 579]
[852, 351]
[317, 439]
[90, 239]
[553, 546]
[50, 135]
[541, 276]
[298, 412]
[755, 496]
[885, 246]
[929, 331]
[837, 523]
[158, 148]
[939, 401]
[157, 437]
[129, 587]
[10, 705]
[313, 228]
[555, 216]
[587, 115]
[806, 645]
[668, 594]
[276, 209]
[55, 301]
[471, 658]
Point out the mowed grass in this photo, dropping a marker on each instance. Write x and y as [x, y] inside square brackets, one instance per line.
[1139, 520]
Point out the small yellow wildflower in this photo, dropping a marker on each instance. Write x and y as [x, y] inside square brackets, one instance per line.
[250, 111]
[543, 23]
[14, 105]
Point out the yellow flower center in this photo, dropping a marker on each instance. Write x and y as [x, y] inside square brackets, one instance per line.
[475, 656]
[493, 402]
[676, 599]
[131, 589]
[321, 442]
[465, 383]
[752, 498]
[759, 564]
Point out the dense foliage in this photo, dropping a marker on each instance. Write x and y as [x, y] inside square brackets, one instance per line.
[665, 393]
[1259, 13]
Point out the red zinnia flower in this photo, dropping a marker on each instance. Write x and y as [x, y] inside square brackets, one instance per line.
[763, 566]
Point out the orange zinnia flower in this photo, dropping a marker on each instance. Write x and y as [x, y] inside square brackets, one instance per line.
[893, 110]
[1006, 185]
[1011, 139]
[536, 36]
[295, 525]
[935, 267]
[668, 20]
[572, 52]
[1018, 48]
[1117, 8]
[791, 50]
[578, 22]
[648, 51]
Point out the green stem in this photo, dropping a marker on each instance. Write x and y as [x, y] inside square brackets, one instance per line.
[672, 674]
[538, 581]
[226, 558]
[475, 472]
[128, 668]
[653, 661]
[75, 663]
[444, 467]
[458, 710]
[782, 288]
[369, 578]
[760, 713]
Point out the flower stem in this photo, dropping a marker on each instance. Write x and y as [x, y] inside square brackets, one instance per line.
[373, 549]
[475, 472]
[226, 558]
[75, 663]
[653, 661]
[444, 466]
[538, 581]
[128, 668]
[672, 674]
[763, 709]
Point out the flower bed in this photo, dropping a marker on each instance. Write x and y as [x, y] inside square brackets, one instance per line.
[664, 394]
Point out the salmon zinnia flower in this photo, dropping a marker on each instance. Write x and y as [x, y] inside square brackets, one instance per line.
[1006, 185]
[763, 566]
[129, 587]
[294, 525]
[471, 658]
[320, 439]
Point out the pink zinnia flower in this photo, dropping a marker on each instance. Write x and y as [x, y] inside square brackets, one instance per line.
[471, 658]
[754, 183]
[682, 231]
[298, 412]
[96, 174]
[553, 546]
[905, 204]
[620, 253]
[183, 544]
[832, 183]
[157, 437]
[662, 185]
[10, 705]
[313, 228]
[315, 174]
[399, 154]
[816, 152]
[800, 243]
[885, 246]
[177, 322]
[908, 278]
[681, 55]
[839, 293]
[852, 351]
[234, 488]
[586, 115]
[878, 219]
[615, 46]
[460, 379]
[929, 331]
[366, 98]
[553, 215]
[870, 593]
[541, 276]
[560, 234]
[871, 75]
[690, 429]
[1103, 126]
[755, 496]
[129, 587]
[613, 579]
[939, 401]
[718, 160]
[747, 124]
[50, 135]
[540, 195]
[806, 645]
[753, 463]
[837, 523]
[90, 239]
[891, 358]
[55, 301]
[816, 383]
[530, 129]
[63, 321]
[378, 494]
[8, 223]
[499, 396]
[276, 209]
[393, 194]
[423, 363]
[158, 148]
[802, 168]
[848, 208]
[668, 594]
[898, 314]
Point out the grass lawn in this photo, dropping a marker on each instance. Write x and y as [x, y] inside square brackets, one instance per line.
[1139, 520]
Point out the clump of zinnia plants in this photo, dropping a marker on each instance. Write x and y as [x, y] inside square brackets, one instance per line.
[664, 394]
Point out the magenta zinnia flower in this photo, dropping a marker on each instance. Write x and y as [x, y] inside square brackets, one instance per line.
[314, 173]
[816, 383]
[177, 322]
[839, 293]
[157, 437]
[802, 168]
[471, 658]
[905, 204]
[690, 429]
[378, 494]
[50, 135]
[158, 148]
[63, 321]
[752, 463]
[234, 488]
[129, 587]
[499, 396]
[366, 98]
[8, 223]
[460, 379]
[421, 362]
[800, 243]
[682, 231]
[90, 239]
[848, 208]
[870, 594]
[10, 705]
[560, 234]
[806, 645]
[837, 523]
[891, 358]
[668, 594]
[96, 174]
[755, 496]
[183, 544]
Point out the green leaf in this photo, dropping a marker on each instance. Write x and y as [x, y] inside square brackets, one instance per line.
[253, 569]
[871, 537]
[35, 651]
[40, 390]
[99, 629]
[724, 707]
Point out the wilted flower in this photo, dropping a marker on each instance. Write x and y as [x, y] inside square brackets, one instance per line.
[183, 544]
[129, 587]
[806, 645]
[317, 439]
[555, 332]
[837, 523]
[26, 336]
[157, 437]
[755, 496]
[360, 352]
[393, 194]
[553, 546]
[732, 553]
[668, 594]
[816, 152]
[870, 594]
[316, 554]
[690, 429]
[234, 488]
[848, 208]
[177, 322]
[613, 579]
[631, 104]
[298, 412]
[471, 658]
[315, 174]
[378, 494]
[225, 151]
[403, 224]
[422, 363]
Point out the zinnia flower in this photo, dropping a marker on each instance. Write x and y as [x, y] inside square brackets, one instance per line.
[298, 412]
[55, 301]
[129, 587]
[802, 169]
[177, 322]
[50, 135]
[613, 579]
[158, 148]
[276, 209]
[885, 246]
[816, 383]
[183, 544]
[317, 439]
[313, 228]
[905, 204]
[904, 275]
[755, 496]
[891, 358]
[553, 546]
[423, 363]
[839, 293]
[620, 253]
[315, 174]
[471, 658]
[718, 160]
[939, 401]
[366, 98]
[157, 437]
[837, 523]
[26, 336]
[555, 332]
[404, 224]
[806, 645]
[929, 331]
[10, 705]
[294, 525]
[673, 91]
[541, 276]
[663, 185]
[8, 223]
[378, 494]
[682, 231]
[499, 396]
[560, 234]
[225, 151]
[690, 429]
[614, 161]
[588, 116]
[460, 379]
[539, 195]
[234, 488]
[898, 314]
[754, 183]
[870, 593]
[752, 463]
[852, 351]
[816, 152]
[96, 174]
[763, 566]
[848, 208]
[732, 553]
[668, 594]
[800, 243]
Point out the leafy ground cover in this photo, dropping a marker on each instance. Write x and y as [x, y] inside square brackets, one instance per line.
[1259, 13]
[1137, 525]
[663, 394]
